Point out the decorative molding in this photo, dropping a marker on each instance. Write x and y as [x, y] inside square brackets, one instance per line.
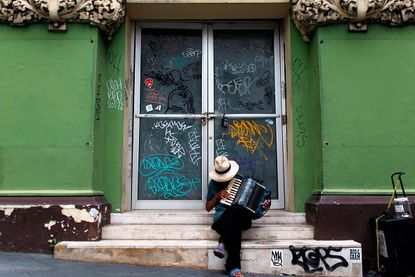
[308, 14]
[107, 15]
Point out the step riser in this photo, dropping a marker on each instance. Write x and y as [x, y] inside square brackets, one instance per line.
[260, 261]
[200, 232]
[202, 220]
[253, 260]
[197, 217]
[185, 258]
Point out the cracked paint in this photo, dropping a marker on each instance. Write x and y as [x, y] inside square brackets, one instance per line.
[79, 215]
[27, 226]
[7, 211]
[50, 224]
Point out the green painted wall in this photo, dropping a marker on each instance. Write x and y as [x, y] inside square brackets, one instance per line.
[61, 110]
[46, 110]
[306, 119]
[368, 106]
[112, 56]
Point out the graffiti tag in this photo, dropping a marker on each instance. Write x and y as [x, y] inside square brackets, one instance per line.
[301, 132]
[252, 135]
[173, 186]
[158, 164]
[317, 259]
[115, 94]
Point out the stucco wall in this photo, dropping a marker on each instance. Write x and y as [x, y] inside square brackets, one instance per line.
[61, 109]
[367, 107]
[46, 100]
[306, 119]
[109, 117]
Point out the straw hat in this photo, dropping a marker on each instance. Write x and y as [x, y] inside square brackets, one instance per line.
[224, 169]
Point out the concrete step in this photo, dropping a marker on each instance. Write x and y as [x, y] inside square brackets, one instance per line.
[203, 232]
[290, 257]
[197, 217]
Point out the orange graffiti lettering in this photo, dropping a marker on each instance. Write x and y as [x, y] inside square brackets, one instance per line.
[250, 134]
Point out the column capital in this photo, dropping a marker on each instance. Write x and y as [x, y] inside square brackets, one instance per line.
[107, 15]
[308, 14]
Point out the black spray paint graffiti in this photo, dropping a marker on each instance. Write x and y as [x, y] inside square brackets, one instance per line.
[277, 258]
[310, 258]
[265, 82]
[298, 69]
[301, 132]
[180, 99]
[114, 60]
[98, 98]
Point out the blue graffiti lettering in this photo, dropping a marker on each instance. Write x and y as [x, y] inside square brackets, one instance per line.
[170, 187]
[158, 164]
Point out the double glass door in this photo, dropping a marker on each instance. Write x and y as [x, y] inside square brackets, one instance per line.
[203, 90]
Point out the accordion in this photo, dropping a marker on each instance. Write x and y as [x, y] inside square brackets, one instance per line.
[248, 193]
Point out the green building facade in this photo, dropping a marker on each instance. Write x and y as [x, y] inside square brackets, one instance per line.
[70, 98]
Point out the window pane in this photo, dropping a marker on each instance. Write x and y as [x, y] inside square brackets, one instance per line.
[252, 144]
[171, 71]
[170, 159]
[244, 71]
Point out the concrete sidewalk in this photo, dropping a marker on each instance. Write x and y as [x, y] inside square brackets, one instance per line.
[41, 265]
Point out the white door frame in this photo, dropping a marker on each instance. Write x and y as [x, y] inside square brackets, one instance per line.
[208, 103]
[279, 100]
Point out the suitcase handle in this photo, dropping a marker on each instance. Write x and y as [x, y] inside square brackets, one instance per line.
[399, 174]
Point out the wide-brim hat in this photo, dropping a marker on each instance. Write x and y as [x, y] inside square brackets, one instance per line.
[224, 169]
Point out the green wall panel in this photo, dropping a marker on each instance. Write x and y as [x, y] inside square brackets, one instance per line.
[368, 103]
[46, 109]
[109, 118]
[306, 119]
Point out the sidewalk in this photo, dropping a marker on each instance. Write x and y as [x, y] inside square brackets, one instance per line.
[41, 265]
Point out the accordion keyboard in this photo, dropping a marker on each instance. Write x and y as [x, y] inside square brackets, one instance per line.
[233, 188]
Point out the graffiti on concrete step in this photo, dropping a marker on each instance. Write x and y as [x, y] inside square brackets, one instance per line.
[317, 259]
[277, 258]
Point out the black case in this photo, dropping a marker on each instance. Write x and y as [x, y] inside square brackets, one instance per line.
[396, 238]
[399, 241]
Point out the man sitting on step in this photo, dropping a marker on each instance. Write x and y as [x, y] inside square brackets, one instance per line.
[229, 221]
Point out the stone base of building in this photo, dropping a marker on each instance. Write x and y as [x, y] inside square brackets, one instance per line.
[340, 217]
[37, 224]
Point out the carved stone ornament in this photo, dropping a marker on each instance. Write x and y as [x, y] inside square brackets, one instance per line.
[308, 14]
[107, 15]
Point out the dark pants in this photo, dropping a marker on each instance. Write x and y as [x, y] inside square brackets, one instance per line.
[230, 226]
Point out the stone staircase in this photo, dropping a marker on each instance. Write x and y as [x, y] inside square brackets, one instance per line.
[279, 243]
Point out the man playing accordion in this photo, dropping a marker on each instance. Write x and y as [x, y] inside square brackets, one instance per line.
[228, 221]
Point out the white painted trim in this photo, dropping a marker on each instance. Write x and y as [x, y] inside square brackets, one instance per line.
[136, 121]
[284, 112]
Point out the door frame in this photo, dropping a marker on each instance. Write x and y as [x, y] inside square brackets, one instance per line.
[165, 204]
[208, 103]
[280, 110]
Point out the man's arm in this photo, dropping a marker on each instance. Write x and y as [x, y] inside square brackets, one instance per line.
[210, 204]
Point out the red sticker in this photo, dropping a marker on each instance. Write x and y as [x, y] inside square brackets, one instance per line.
[148, 82]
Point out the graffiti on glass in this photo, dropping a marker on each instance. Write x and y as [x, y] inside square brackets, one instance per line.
[252, 136]
[164, 179]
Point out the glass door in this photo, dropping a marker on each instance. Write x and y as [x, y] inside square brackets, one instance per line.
[169, 150]
[247, 102]
[203, 90]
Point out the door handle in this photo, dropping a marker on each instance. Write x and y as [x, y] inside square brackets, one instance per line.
[205, 117]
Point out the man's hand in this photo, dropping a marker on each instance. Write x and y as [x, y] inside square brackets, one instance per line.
[212, 202]
[267, 204]
[223, 194]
